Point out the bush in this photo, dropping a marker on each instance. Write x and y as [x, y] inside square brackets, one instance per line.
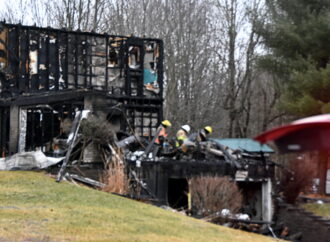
[296, 181]
[212, 194]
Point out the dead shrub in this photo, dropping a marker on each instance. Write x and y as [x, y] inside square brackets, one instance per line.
[97, 130]
[96, 135]
[212, 194]
[296, 181]
[116, 178]
[101, 134]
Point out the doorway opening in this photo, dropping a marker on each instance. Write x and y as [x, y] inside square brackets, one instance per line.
[177, 194]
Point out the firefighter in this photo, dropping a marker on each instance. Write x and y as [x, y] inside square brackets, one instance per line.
[162, 132]
[201, 136]
[161, 140]
[161, 143]
[204, 133]
[182, 135]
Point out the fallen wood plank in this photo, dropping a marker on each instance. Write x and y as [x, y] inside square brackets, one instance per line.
[85, 180]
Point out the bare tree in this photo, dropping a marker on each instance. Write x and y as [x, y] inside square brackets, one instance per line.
[188, 59]
[28, 12]
[237, 54]
[85, 15]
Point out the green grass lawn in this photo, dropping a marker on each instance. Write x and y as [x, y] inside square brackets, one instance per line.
[34, 207]
[318, 209]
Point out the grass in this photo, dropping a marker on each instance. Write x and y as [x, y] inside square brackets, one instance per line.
[318, 209]
[34, 207]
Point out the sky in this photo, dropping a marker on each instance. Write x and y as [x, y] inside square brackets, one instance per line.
[18, 15]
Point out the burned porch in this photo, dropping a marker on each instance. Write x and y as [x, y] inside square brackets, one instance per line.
[167, 179]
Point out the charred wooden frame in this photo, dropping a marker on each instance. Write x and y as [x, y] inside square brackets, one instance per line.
[46, 59]
[46, 66]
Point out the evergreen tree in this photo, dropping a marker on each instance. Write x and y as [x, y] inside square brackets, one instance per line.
[297, 35]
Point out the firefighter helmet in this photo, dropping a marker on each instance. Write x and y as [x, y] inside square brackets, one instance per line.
[166, 123]
[186, 128]
[208, 129]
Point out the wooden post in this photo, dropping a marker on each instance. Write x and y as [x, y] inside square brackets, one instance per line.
[266, 193]
[14, 129]
[322, 170]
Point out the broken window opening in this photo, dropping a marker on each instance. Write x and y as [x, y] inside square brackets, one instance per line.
[46, 127]
[4, 134]
[150, 72]
[114, 50]
[134, 57]
[3, 50]
[143, 121]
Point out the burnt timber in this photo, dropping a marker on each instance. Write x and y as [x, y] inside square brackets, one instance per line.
[47, 75]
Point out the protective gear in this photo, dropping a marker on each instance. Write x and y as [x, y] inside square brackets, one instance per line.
[208, 129]
[181, 135]
[186, 128]
[162, 135]
[166, 123]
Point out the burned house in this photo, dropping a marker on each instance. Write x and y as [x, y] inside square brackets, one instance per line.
[49, 75]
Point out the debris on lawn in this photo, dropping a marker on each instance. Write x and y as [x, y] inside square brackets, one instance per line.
[84, 180]
[34, 160]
